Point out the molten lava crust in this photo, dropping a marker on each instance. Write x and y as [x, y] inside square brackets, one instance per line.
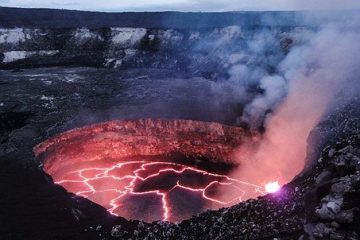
[149, 169]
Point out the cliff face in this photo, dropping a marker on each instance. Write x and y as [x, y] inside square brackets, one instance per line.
[145, 138]
[199, 50]
[162, 140]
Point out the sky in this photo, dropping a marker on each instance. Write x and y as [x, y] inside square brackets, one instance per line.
[185, 5]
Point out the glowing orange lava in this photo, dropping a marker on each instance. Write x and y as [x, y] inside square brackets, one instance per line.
[129, 168]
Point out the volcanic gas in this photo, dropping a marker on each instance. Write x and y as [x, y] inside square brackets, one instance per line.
[150, 169]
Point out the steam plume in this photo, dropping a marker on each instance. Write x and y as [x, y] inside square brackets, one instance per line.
[317, 75]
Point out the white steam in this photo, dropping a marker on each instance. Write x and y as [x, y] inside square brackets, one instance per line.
[317, 75]
[275, 88]
[248, 64]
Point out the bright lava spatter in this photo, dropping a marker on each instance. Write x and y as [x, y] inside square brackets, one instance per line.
[124, 180]
[272, 187]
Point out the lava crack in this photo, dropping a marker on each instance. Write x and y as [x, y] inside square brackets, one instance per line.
[108, 186]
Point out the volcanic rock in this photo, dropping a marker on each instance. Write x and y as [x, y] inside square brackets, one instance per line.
[144, 138]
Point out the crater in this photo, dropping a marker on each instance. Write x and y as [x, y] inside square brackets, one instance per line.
[150, 169]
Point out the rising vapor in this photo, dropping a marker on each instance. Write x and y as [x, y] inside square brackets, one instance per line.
[318, 75]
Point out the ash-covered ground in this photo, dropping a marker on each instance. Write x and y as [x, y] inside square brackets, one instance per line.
[214, 73]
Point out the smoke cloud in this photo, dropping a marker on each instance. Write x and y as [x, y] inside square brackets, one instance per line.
[286, 81]
[314, 76]
[253, 79]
